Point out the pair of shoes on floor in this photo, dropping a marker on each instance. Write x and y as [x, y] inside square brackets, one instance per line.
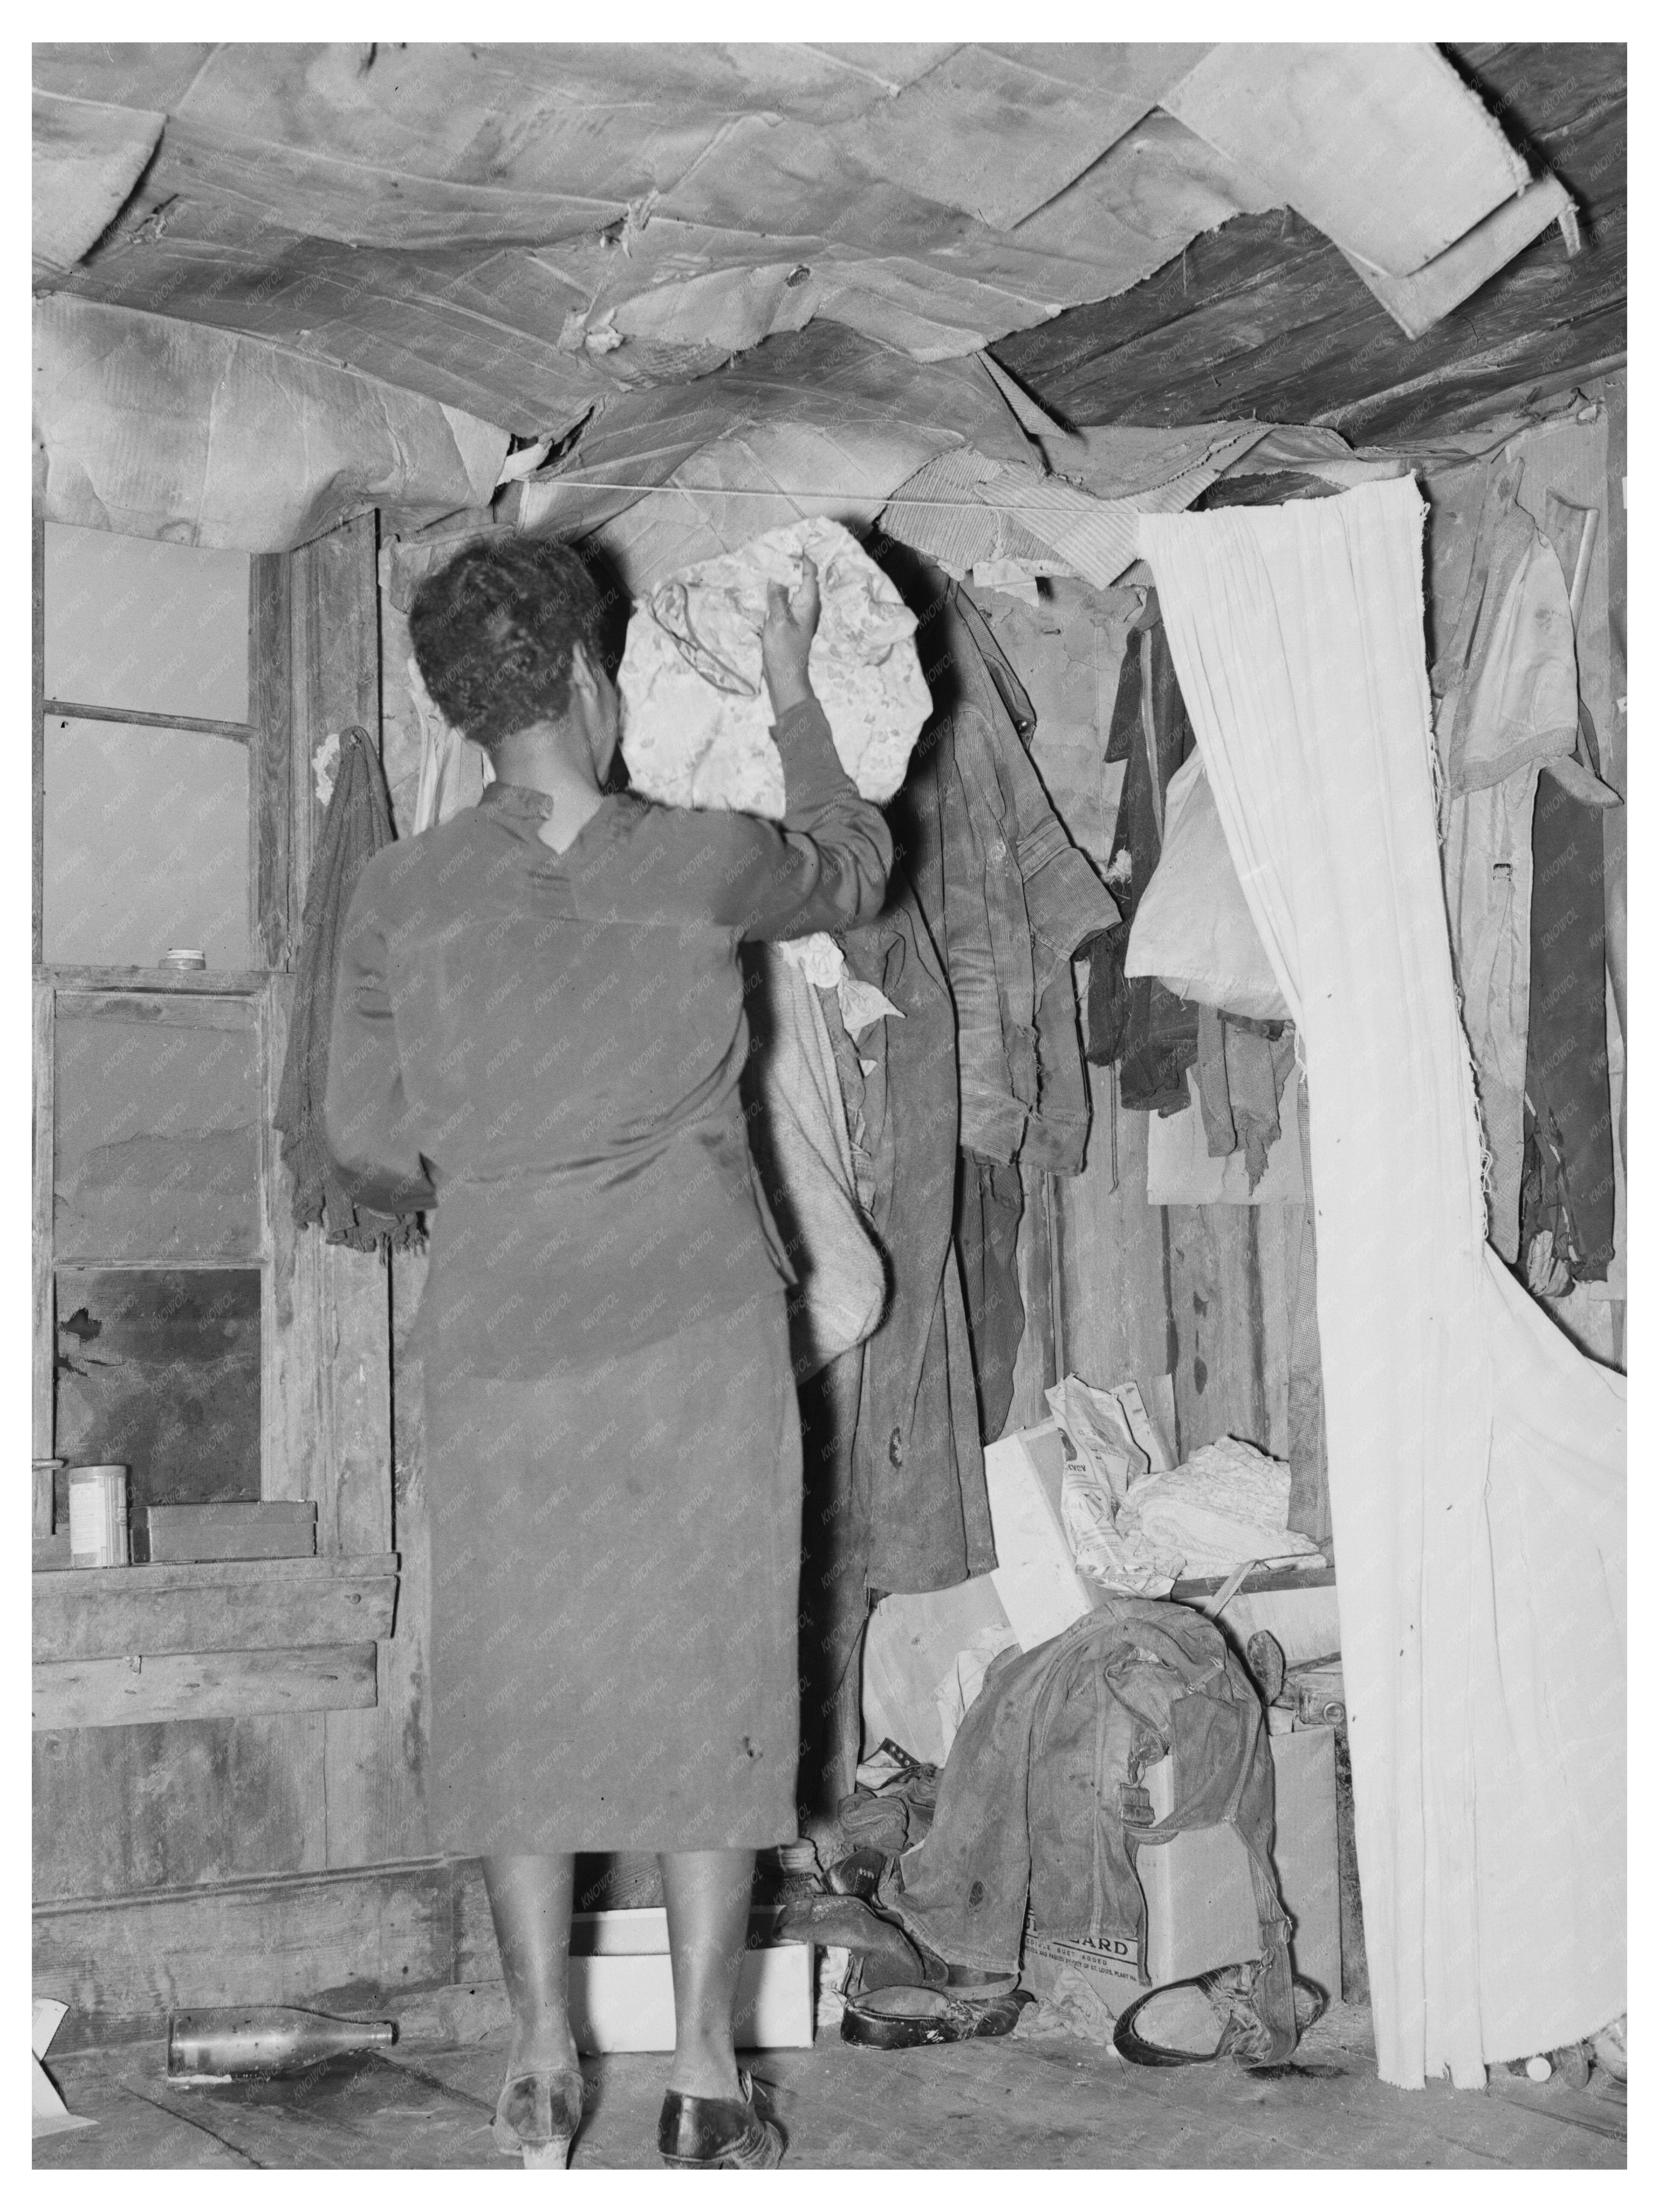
[718, 2131]
[537, 2115]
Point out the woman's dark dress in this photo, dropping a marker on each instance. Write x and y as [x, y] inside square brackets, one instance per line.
[544, 1048]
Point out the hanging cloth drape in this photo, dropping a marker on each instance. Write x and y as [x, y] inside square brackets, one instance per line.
[357, 824]
[1476, 1458]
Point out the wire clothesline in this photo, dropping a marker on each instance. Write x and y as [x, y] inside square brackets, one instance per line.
[789, 491]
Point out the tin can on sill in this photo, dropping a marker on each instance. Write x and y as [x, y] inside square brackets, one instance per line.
[185, 957]
[98, 1516]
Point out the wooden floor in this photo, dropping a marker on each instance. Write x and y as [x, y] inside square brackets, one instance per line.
[1026, 2101]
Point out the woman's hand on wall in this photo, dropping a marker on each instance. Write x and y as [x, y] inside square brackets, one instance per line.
[786, 639]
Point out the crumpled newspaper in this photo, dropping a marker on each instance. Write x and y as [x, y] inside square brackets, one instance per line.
[1113, 1443]
[696, 721]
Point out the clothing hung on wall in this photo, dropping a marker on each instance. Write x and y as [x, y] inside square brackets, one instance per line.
[1006, 898]
[1137, 1024]
[803, 1151]
[1568, 1195]
[357, 824]
[921, 1517]
[1476, 1459]
[1018, 899]
[1506, 701]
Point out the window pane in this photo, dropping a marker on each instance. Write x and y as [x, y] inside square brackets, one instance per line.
[155, 1146]
[146, 845]
[135, 621]
[159, 1369]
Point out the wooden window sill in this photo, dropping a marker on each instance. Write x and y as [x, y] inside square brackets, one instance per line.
[198, 982]
[213, 1639]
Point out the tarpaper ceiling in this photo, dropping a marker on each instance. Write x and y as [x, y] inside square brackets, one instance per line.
[572, 242]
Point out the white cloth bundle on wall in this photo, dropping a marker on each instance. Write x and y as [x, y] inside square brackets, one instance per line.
[696, 721]
[1477, 1460]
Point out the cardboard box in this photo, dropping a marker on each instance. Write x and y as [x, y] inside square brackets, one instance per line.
[909, 1647]
[1037, 1582]
[1200, 1908]
[621, 1987]
[283, 1529]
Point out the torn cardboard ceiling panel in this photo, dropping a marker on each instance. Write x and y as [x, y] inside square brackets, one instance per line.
[525, 230]
[159, 428]
[1158, 188]
[87, 157]
[995, 132]
[154, 74]
[1419, 301]
[863, 397]
[429, 145]
[479, 331]
[1383, 146]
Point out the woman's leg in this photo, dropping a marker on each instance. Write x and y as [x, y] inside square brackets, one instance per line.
[708, 1894]
[530, 1903]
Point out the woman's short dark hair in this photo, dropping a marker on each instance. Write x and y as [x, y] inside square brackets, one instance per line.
[494, 630]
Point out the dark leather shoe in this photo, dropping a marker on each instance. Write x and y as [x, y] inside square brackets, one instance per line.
[717, 2131]
[904, 2019]
[859, 1874]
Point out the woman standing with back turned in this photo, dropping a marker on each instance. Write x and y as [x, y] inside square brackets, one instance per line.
[538, 1031]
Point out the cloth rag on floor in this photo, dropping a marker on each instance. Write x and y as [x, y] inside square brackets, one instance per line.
[1476, 1459]
[357, 824]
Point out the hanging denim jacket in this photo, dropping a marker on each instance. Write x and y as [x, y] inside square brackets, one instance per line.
[1019, 898]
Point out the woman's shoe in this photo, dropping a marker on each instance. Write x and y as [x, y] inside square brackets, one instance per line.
[718, 2131]
[537, 2114]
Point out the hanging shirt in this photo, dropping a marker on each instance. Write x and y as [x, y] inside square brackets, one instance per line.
[546, 1046]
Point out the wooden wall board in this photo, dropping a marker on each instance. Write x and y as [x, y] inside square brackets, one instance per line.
[96, 1613]
[1113, 1260]
[327, 1939]
[70, 1693]
[272, 708]
[43, 1368]
[337, 664]
[1220, 1297]
[1264, 316]
[136, 1808]
[374, 1759]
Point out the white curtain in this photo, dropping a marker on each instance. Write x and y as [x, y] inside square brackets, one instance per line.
[1477, 1460]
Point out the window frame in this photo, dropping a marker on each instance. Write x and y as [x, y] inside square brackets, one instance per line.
[264, 990]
